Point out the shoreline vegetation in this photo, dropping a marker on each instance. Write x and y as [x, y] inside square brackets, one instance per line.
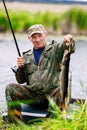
[72, 20]
[75, 118]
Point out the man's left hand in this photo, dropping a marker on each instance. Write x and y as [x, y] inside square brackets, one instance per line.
[68, 39]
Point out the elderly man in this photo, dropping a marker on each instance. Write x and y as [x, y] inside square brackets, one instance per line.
[39, 68]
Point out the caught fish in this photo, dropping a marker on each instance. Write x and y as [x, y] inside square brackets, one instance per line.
[64, 75]
[65, 72]
[62, 93]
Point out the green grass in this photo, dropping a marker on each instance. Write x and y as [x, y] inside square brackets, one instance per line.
[78, 16]
[21, 20]
[75, 118]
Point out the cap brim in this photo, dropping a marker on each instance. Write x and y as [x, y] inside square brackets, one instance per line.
[35, 32]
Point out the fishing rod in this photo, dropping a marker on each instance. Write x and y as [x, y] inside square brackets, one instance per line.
[11, 28]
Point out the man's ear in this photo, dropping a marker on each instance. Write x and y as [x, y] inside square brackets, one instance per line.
[29, 37]
[46, 33]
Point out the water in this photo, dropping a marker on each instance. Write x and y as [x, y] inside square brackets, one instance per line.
[79, 70]
[8, 56]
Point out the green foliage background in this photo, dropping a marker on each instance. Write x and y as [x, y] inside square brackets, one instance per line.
[21, 20]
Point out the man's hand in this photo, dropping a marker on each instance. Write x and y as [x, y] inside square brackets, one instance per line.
[68, 39]
[20, 61]
[70, 43]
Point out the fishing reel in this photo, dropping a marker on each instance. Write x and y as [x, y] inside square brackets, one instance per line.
[14, 69]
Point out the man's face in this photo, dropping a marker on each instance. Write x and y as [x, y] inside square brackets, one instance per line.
[39, 40]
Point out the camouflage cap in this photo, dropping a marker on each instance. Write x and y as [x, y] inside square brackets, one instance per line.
[37, 28]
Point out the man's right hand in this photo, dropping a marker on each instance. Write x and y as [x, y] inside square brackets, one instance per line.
[20, 61]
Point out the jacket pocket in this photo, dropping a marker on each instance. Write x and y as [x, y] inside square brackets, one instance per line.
[30, 67]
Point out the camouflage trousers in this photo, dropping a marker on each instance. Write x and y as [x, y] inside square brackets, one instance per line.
[17, 94]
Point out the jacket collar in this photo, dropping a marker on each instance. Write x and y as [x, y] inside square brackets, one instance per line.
[47, 47]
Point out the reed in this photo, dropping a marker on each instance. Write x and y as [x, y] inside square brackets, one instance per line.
[75, 118]
[78, 16]
[21, 20]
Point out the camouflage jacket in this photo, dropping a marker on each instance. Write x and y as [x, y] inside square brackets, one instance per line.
[44, 77]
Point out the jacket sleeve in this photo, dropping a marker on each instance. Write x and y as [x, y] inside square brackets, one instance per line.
[20, 75]
[60, 51]
[63, 47]
[68, 51]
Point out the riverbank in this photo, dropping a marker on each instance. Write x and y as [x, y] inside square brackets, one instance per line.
[33, 7]
[8, 35]
[72, 21]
